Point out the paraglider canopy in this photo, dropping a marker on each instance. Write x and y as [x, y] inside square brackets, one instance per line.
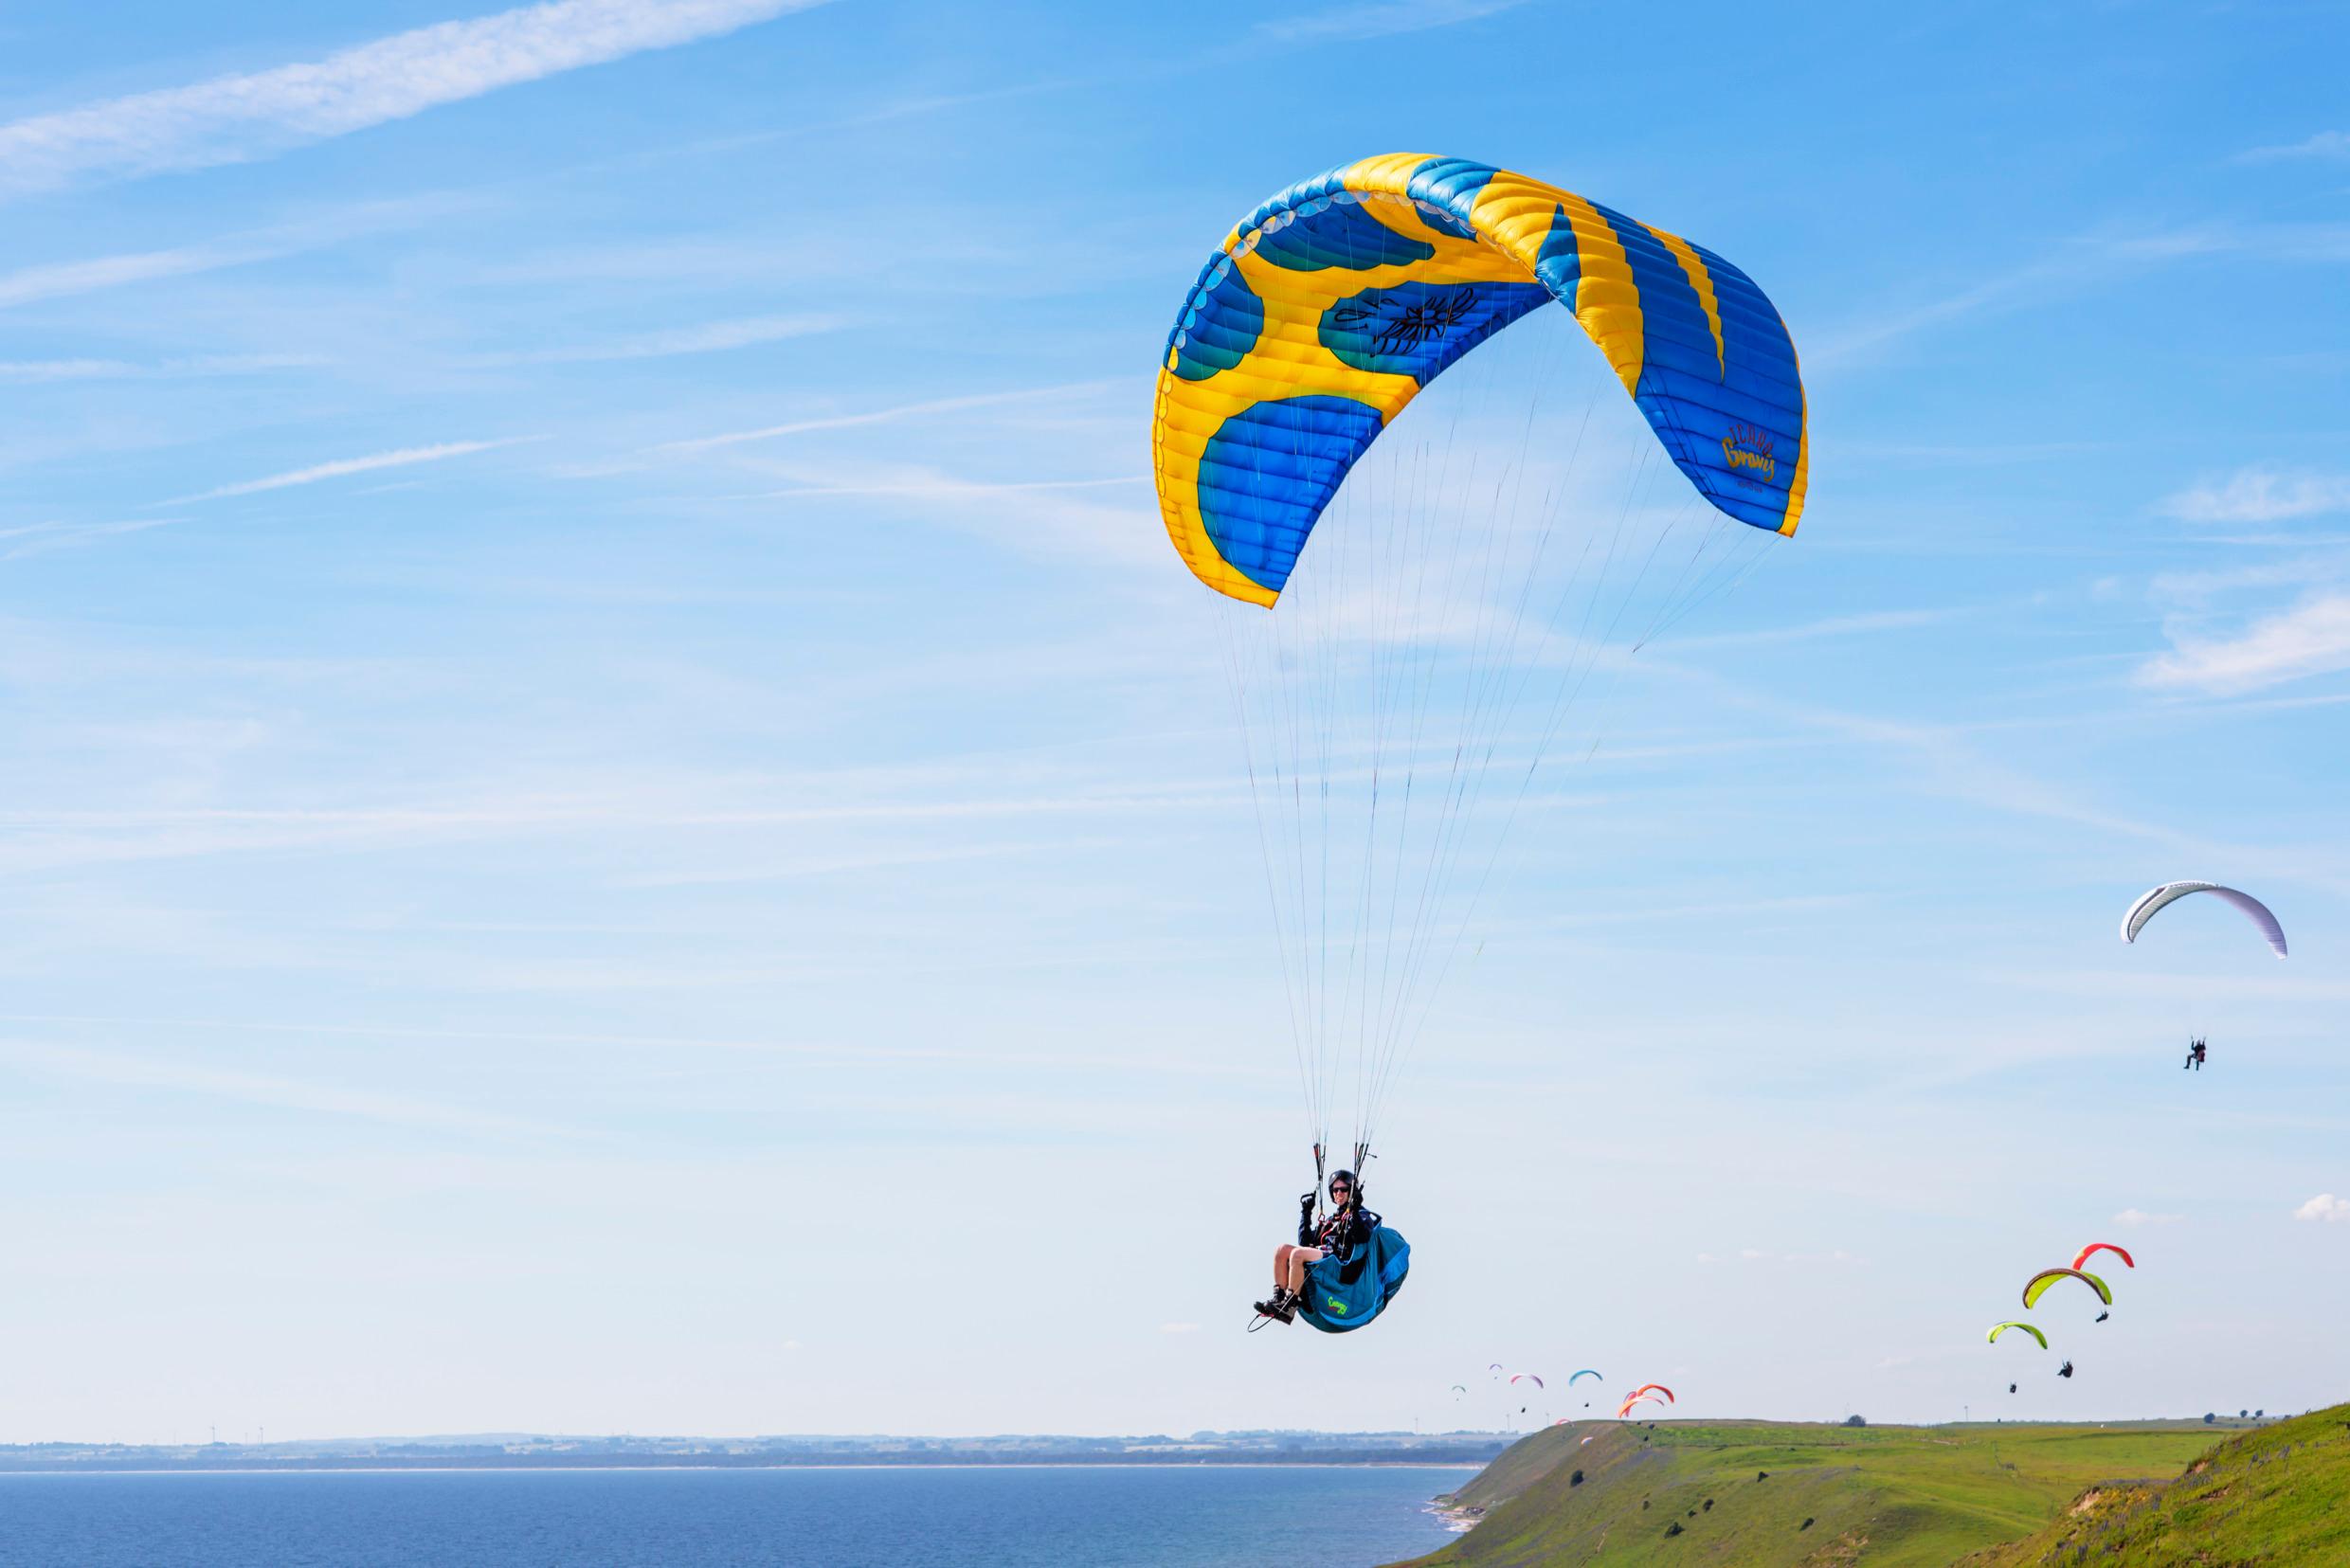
[2170, 893]
[1327, 309]
[2083, 1256]
[1586, 1372]
[2037, 1285]
[1998, 1330]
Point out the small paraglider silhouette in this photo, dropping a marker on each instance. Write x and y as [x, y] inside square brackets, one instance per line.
[2065, 1370]
[2101, 1317]
[2010, 1388]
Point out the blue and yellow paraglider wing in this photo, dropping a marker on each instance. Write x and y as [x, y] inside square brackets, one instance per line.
[1340, 1296]
[1327, 309]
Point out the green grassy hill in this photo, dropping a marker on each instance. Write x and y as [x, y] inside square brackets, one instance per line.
[1760, 1494]
[2280, 1495]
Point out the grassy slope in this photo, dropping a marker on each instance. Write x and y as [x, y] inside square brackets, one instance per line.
[2278, 1495]
[1879, 1495]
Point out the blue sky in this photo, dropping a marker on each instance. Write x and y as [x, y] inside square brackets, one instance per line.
[618, 818]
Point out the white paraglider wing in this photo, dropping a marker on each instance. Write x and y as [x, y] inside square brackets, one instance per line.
[2170, 893]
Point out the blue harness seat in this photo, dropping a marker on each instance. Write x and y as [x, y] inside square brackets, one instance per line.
[1340, 1296]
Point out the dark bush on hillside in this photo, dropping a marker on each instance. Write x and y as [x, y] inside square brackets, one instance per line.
[1854, 1421]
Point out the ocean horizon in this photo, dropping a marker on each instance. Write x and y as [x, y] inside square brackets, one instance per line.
[841, 1515]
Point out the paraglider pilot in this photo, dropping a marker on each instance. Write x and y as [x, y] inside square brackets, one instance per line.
[1344, 1229]
[2194, 1054]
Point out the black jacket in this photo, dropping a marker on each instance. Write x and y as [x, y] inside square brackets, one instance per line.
[1340, 1234]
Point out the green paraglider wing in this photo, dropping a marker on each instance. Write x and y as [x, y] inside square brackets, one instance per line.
[2037, 1285]
[2000, 1328]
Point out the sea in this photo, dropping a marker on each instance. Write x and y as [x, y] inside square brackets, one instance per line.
[1197, 1516]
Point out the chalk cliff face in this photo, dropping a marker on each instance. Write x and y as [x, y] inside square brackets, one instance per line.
[1754, 1494]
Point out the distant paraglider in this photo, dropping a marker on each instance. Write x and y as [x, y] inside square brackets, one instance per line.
[1645, 1393]
[2170, 893]
[1998, 1330]
[2081, 1258]
[2264, 920]
[2038, 1283]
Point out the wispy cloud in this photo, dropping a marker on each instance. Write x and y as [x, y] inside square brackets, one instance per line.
[2260, 494]
[2325, 144]
[2139, 1217]
[1856, 341]
[55, 280]
[707, 338]
[877, 416]
[1048, 517]
[41, 539]
[1948, 764]
[341, 467]
[59, 279]
[2312, 639]
[945, 487]
[2196, 589]
[124, 1071]
[2092, 261]
[125, 370]
[238, 118]
[2324, 1206]
[1839, 626]
[1383, 19]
